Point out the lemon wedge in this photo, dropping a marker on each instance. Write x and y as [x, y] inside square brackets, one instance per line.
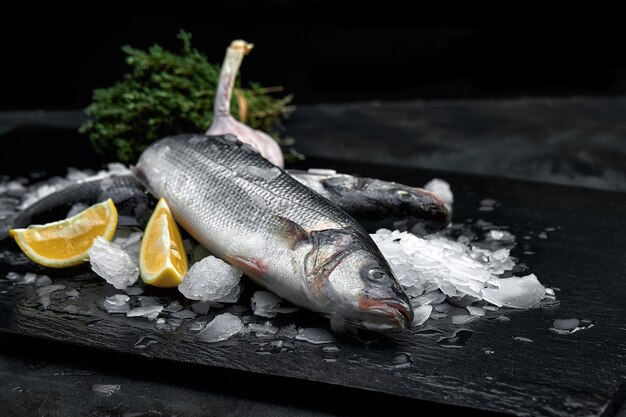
[162, 258]
[66, 242]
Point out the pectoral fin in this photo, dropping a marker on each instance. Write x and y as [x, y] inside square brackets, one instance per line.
[251, 266]
[291, 233]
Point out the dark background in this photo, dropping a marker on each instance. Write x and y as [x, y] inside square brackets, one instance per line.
[54, 60]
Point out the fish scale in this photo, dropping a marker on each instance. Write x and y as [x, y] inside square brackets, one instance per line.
[235, 198]
[281, 234]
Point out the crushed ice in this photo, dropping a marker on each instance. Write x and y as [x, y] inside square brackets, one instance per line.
[129, 244]
[315, 335]
[211, 279]
[105, 390]
[45, 292]
[458, 277]
[151, 312]
[36, 192]
[113, 264]
[118, 303]
[29, 278]
[266, 329]
[267, 304]
[222, 327]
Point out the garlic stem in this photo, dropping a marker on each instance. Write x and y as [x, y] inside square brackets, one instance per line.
[234, 55]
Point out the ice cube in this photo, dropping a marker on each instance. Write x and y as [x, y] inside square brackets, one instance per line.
[222, 327]
[458, 319]
[290, 331]
[73, 293]
[76, 175]
[421, 314]
[315, 335]
[44, 294]
[43, 280]
[13, 276]
[184, 315]
[169, 324]
[267, 304]
[150, 312]
[442, 189]
[209, 280]
[523, 339]
[29, 278]
[565, 324]
[232, 296]
[116, 168]
[433, 297]
[38, 192]
[173, 307]
[113, 264]
[146, 301]
[516, 292]
[266, 329]
[130, 244]
[118, 303]
[321, 171]
[475, 311]
[263, 301]
[105, 390]
[442, 308]
[499, 235]
[197, 325]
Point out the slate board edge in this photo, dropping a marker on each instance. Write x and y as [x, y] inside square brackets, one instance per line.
[269, 375]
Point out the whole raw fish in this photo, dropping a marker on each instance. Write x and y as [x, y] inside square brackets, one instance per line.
[133, 203]
[379, 204]
[281, 234]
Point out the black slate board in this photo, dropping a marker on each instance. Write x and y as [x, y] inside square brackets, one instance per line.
[578, 374]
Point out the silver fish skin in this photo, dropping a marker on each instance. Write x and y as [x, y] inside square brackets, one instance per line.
[377, 204]
[281, 234]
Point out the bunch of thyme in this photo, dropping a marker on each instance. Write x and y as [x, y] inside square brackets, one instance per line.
[167, 93]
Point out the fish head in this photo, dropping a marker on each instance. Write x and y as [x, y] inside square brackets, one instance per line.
[415, 204]
[349, 277]
[153, 164]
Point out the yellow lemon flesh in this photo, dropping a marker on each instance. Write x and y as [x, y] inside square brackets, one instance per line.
[66, 242]
[162, 258]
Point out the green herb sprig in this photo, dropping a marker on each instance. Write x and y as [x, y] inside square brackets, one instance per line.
[167, 93]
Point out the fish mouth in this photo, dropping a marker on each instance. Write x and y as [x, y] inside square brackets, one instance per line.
[386, 315]
[434, 206]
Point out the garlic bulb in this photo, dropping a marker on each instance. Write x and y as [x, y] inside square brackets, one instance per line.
[224, 122]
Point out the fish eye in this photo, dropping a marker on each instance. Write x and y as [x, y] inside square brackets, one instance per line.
[376, 274]
[404, 195]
